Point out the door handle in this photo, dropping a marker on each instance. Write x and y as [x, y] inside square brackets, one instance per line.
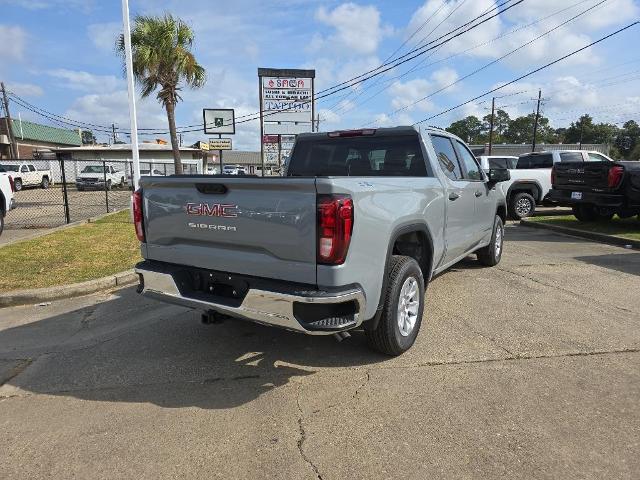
[478, 193]
[454, 196]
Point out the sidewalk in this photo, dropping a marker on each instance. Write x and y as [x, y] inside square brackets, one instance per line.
[15, 235]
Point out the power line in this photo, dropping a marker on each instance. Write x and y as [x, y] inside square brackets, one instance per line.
[532, 72]
[493, 62]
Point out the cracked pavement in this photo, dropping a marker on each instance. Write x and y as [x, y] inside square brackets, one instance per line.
[527, 370]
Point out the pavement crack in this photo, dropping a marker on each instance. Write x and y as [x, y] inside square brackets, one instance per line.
[303, 437]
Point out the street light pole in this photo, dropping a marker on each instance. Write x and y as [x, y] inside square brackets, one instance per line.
[132, 93]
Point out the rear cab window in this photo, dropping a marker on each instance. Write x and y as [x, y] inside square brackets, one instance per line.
[502, 162]
[358, 156]
[535, 160]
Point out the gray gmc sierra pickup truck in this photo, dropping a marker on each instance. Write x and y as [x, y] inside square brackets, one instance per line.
[349, 237]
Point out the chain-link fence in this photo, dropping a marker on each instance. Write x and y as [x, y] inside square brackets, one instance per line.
[50, 193]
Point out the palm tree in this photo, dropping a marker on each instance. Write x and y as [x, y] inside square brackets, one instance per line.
[162, 59]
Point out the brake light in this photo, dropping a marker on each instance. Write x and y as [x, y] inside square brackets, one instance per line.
[553, 175]
[615, 176]
[136, 204]
[12, 185]
[335, 224]
[352, 133]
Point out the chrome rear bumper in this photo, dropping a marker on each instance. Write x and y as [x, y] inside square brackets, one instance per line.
[261, 306]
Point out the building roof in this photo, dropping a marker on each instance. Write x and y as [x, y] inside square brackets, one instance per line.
[125, 147]
[44, 133]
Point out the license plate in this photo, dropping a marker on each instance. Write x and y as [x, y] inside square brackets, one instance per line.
[576, 195]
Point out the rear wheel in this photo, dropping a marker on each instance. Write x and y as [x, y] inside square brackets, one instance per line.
[490, 255]
[17, 184]
[108, 184]
[589, 213]
[521, 205]
[45, 182]
[403, 307]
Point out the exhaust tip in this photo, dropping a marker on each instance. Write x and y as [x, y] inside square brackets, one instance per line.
[340, 336]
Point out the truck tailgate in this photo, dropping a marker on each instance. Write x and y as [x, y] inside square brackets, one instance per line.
[585, 176]
[264, 227]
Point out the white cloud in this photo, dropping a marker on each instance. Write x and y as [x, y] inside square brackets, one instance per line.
[86, 81]
[357, 29]
[12, 42]
[104, 35]
[404, 95]
[25, 89]
[444, 77]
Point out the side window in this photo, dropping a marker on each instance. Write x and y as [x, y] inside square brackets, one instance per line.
[571, 157]
[447, 158]
[32, 168]
[498, 163]
[24, 169]
[471, 165]
[596, 157]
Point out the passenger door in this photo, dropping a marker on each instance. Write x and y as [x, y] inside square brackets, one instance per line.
[485, 202]
[460, 198]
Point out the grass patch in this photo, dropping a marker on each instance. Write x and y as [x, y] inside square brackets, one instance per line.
[72, 255]
[628, 228]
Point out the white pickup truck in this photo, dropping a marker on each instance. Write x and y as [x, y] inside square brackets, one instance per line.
[7, 202]
[531, 177]
[100, 177]
[27, 175]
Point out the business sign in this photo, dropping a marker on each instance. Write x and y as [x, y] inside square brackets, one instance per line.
[219, 121]
[286, 109]
[220, 144]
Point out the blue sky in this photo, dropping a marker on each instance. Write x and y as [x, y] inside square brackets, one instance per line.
[58, 55]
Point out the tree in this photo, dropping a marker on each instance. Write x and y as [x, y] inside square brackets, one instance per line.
[520, 130]
[162, 59]
[585, 131]
[88, 138]
[501, 121]
[628, 140]
[468, 129]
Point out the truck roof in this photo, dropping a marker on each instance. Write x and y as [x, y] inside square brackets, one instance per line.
[378, 132]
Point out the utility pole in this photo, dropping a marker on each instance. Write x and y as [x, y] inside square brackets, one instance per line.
[581, 130]
[317, 122]
[535, 124]
[13, 150]
[493, 112]
[115, 135]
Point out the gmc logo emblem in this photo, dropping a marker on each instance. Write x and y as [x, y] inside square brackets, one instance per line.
[212, 210]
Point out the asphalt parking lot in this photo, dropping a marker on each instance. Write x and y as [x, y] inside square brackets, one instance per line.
[527, 370]
[42, 208]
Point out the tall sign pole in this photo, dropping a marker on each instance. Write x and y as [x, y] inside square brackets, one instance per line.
[132, 94]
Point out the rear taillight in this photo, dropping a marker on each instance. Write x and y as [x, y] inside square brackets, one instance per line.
[553, 175]
[12, 185]
[137, 214]
[352, 133]
[335, 224]
[615, 176]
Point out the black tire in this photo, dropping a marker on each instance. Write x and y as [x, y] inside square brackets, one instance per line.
[108, 184]
[584, 213]
[490, 255]
[80, 189]
[17, 184]
[45, 183]
[122, 182]
[387, 338]
[521, 205]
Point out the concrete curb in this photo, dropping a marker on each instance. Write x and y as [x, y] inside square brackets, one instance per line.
[38, 295]
[596, 237]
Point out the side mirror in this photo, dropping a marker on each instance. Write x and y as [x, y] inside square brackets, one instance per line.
[497, 175]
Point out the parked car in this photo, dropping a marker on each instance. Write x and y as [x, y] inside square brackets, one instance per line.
[349, 238]
[531, 179]
[497, 161]
[100, 177]
[233, 170]
[598, 190]
[27, 175]
[7, 199]
[147, 172]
